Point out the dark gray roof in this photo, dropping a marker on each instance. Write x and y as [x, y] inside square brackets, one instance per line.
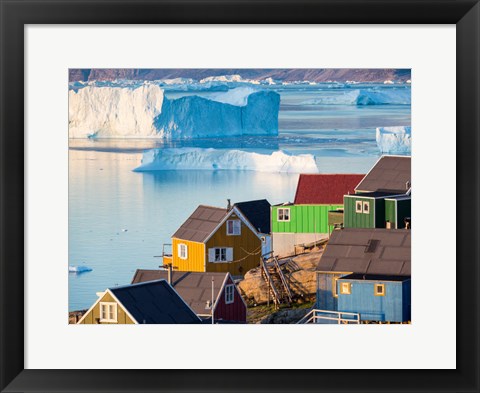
[376, 195]
[194, 287]
[201, 223]
[257, 212]
[154, 302]
[368, 251]
[390, 173]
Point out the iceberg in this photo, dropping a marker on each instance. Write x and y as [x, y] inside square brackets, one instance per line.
[145, 112]
[218, 159]
[234, 113]
[113, 112]
[394, 139]
[365, 97]
[79, 269]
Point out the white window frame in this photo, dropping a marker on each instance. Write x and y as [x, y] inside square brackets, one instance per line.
[229, 293]
[213, 251]
[368, 208]
[236, 227]
[111, 308]
[182, 251]
[283, 210]
[357, 204]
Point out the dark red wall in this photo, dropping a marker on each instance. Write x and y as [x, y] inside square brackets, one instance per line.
[233, 312]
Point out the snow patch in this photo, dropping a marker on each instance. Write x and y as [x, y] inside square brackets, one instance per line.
[394, 139]
[218, 159]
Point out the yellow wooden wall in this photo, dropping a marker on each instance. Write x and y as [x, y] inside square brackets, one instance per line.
[92, 315]
[195, 261]
[242, 245]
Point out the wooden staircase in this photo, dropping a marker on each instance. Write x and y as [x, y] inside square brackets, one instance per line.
[275, 279]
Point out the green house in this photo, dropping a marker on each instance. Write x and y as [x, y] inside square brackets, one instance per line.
[307, 219]
[383, 198]
[398, 211]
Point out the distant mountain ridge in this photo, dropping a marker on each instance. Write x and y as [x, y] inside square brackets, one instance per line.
[286, 75]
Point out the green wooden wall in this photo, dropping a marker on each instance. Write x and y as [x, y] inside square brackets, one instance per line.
[352, 219]
[391, 212]
[303, 219]
[398, 211]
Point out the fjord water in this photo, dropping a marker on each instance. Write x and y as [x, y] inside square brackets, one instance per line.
[119, 219]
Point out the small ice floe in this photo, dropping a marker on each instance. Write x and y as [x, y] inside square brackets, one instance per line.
[79, 269]
[124, 230]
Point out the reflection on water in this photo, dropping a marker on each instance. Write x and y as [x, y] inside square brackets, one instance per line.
[119, 219]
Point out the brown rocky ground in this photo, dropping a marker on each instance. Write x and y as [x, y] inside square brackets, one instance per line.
[299, 272]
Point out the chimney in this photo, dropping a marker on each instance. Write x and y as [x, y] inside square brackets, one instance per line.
[229, 205]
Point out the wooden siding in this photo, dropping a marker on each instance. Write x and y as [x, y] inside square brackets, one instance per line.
[352, 219]
[325, 285]
[195, 261]
[391, 212]
[389, 308]
[396, 211]
[303, 219]
[247, 248]
[93, 316]
[233, 312]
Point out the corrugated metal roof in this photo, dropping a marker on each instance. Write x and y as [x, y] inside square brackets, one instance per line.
[325, 189]
[201, 223]
[390, 174]
[257, 212]
[154, 302]
[347, 251]
[194, 287]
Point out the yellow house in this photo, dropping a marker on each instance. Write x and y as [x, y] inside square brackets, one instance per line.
[153, 302]
[229, 240]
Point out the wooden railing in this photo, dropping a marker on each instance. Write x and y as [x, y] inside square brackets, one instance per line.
[325, 316]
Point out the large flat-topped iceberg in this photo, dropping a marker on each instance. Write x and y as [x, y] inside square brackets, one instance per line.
[218, 159]
[394, 139]
[145, 112]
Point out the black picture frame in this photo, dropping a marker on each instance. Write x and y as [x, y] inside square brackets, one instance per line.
[16, 14]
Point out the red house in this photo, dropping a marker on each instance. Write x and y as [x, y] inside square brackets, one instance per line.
[317, 209]
[202, 289]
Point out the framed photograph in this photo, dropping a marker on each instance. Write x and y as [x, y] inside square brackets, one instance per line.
[235, 177]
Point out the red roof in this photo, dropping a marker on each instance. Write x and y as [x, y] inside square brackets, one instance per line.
[325, 189]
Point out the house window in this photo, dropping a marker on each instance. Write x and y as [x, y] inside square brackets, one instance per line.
[345, 288]
[234, 227]
[358, 207]
[366, 208]
[379, 289]
[182, 251]
[108, 312]
[220, 254]
[229, 294]
[283, 214]
[334, 287]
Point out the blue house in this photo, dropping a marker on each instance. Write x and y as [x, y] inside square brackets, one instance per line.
[375, 298]
[366, 271]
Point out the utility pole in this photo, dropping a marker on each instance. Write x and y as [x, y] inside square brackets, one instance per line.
[213, 300]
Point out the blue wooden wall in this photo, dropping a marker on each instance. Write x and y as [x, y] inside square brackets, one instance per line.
[393, 307]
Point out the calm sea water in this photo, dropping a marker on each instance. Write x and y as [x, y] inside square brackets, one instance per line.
[119, 219]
